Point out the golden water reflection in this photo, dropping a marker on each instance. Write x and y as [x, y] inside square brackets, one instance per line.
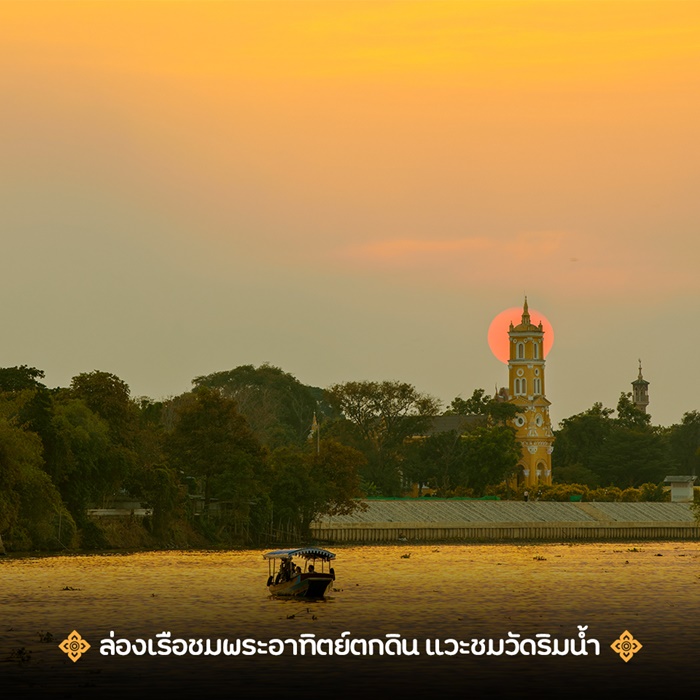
[427, 591]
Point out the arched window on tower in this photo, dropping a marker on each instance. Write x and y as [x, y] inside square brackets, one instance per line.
[520, 387]
[541, 468]
[536, 350]
[521, 351]
[538, 385]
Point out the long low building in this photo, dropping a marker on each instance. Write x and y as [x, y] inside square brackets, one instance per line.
[400, 520]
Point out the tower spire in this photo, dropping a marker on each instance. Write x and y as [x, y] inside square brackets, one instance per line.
[526, 313]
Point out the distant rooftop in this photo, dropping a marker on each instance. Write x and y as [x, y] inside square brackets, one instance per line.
[445, 424]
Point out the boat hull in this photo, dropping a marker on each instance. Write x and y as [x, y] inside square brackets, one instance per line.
[302, 586]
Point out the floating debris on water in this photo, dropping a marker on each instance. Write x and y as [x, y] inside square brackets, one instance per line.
[21, 655]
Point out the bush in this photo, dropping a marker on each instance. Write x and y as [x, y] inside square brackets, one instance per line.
[460, 492]
[92, 536]
[653, 492]
[564, 491]
[18, 540]
[605, 494]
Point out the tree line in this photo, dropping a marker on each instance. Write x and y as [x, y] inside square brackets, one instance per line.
[252, 454]
[620, 447]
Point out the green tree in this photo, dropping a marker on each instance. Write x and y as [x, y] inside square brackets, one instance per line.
[36, 412]
[377, 417]
[439, 461]
[109, 397]
[20, 378]
[582, 437]
[624, 451]
[307, 483]
[629, 416]
[684, 444]
[211, 441]
[81, 457]
[577, 474]
[493, 455]
[32, 514]
[451, 460]
[165, 494]
[493, 410]
[475, 405]
[156, 482]
[277, 406]
[631, 457]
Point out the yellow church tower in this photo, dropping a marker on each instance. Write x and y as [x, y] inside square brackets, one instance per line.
[526, 390]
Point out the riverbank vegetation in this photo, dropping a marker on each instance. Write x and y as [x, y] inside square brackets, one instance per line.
[252, 455]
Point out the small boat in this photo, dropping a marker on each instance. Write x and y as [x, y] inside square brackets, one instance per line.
[291, 579]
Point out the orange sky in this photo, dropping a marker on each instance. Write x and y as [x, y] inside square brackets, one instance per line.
[344, 188]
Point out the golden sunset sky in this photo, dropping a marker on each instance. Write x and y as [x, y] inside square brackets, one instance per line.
[353, 190]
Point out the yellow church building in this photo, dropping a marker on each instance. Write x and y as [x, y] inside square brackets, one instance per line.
[526, 389]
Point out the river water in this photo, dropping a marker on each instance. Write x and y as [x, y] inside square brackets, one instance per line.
[422, 592]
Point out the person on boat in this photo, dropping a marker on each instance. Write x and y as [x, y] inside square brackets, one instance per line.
[283, 574]
[311, 568]
[297, 570]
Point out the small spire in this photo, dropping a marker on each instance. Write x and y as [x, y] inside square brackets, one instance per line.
[526, 313]
[640, 370]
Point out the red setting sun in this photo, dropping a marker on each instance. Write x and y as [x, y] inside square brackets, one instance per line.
[498, 331]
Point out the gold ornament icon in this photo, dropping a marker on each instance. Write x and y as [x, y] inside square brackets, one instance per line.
[626, 646]
[75, 646]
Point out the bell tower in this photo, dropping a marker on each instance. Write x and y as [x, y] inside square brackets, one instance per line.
[640, 391]
[526, 388]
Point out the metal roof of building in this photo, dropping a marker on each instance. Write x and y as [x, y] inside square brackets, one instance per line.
[447, 511]
[646, 512]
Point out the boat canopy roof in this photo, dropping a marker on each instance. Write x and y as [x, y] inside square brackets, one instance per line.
[304, 552]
